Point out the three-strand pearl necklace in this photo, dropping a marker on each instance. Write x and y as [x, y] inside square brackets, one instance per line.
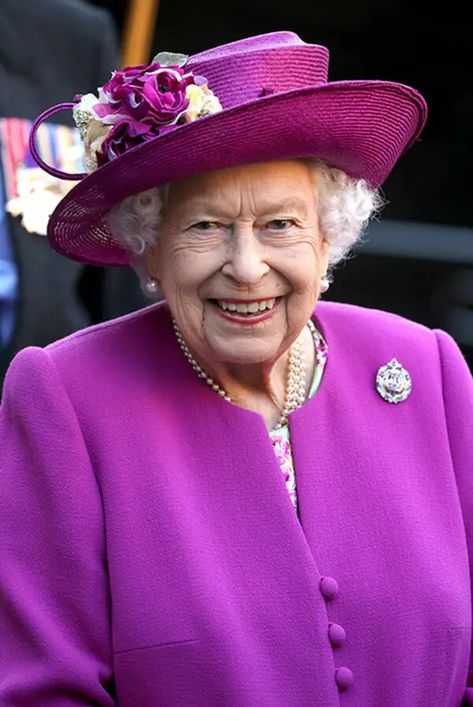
[295, 394]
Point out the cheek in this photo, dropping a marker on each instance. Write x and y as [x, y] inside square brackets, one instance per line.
[302, 266]
[184, 276]
[182, 271]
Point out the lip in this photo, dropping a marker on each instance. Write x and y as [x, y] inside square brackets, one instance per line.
[238, 300]
[243, 321]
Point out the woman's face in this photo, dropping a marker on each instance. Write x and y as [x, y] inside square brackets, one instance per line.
[239, 259]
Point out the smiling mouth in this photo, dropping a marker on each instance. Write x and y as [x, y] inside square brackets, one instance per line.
[246, 308]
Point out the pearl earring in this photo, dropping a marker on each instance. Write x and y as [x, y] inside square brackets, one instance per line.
[152, 286]
[324, 284]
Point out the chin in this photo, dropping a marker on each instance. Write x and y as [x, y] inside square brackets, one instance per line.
[243, 356]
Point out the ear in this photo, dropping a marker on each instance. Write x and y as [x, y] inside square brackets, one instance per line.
[151, 261]
[324, 254]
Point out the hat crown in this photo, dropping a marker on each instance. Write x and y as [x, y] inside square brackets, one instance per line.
[255, 67]
[269, 40]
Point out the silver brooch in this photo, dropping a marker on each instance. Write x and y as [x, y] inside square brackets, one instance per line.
[393, 382]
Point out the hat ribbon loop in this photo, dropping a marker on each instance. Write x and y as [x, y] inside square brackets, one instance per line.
[32, 143]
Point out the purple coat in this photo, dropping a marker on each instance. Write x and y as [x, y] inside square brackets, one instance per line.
[150, 554]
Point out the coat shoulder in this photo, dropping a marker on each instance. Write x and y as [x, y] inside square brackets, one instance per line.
[377, 320]
[138, 331]
[369, 327]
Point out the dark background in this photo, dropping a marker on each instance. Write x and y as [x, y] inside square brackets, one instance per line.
[410, 43]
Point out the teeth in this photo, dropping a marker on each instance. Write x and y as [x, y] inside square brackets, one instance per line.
[247, 307]
[267, 304]
[242, 308]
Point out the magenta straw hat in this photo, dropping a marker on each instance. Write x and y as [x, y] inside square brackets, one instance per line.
[258, 99]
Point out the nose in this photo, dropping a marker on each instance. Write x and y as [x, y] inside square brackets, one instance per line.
[246, 262]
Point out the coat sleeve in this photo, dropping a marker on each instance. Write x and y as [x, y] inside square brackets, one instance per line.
[55, 638]
[458, 401]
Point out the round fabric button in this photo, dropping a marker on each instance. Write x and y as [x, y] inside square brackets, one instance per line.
[343, 678]
[336, 634]
[329, 587]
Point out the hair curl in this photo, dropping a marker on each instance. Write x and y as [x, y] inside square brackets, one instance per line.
[345, 206]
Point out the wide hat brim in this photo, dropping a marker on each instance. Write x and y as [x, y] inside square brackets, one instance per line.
[361, 127]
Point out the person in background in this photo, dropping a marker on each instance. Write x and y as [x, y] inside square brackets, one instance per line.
[48, 50]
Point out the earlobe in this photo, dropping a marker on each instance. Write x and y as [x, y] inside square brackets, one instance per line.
[324, 284]
[151, 261]
[152, 286]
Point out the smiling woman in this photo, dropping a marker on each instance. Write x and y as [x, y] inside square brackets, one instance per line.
[243, 259]
[240, 255]
[241, 492]
[268, 232]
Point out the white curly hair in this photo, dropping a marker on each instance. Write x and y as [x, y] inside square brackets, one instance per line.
[345, 206]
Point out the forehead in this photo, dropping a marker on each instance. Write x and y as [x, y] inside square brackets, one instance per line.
[288, 183]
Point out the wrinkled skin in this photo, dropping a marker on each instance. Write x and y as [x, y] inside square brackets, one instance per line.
[247, 232]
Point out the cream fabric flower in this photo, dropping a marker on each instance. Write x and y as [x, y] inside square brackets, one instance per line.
[202, 101]
[91, 129]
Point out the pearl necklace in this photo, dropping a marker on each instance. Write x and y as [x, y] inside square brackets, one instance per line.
[295, 385]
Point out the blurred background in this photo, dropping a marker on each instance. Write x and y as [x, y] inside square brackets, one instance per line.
[418, 260]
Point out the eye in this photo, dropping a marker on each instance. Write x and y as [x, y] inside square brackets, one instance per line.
[280, 224]
[205, 225]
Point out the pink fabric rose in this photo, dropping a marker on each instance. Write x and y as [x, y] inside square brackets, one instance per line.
[120, 139]
[141, 102]
[137, 102]
[147, 96]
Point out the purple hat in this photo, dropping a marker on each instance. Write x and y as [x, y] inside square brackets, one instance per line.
[258, 99]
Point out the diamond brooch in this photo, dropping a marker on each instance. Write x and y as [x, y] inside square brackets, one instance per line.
[393, 382]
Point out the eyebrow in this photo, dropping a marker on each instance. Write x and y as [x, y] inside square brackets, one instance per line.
[207, 205]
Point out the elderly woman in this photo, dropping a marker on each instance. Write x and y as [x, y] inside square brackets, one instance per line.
[242, 495]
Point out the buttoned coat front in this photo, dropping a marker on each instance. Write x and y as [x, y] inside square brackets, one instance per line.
[151, 556]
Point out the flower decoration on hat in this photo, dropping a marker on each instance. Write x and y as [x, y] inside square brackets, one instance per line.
[139, 103]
